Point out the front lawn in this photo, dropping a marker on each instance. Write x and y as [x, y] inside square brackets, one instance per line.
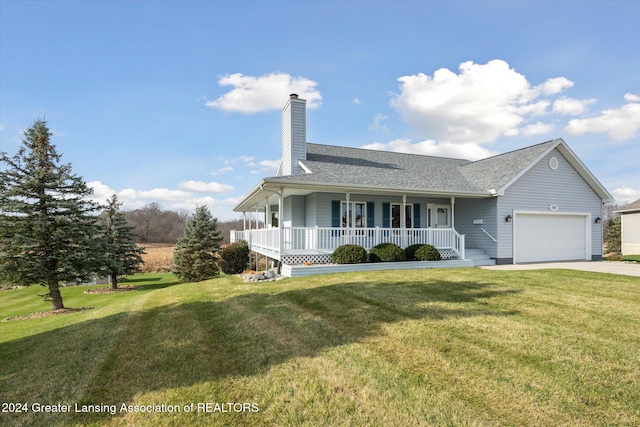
[419, 347]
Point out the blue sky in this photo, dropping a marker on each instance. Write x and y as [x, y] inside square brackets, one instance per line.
[179, 102]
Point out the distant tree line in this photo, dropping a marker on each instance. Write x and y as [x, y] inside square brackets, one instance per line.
[153, 224]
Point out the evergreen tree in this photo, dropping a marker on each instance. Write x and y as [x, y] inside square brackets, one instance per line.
[195, 254]
[47, 224]
[613, 234]
[121, 254]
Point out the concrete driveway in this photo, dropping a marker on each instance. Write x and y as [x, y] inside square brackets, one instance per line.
[626, 268]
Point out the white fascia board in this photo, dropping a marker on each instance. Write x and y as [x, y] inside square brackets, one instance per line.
[304, 167]
[333, 186]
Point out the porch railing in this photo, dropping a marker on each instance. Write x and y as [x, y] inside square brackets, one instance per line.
[327, 239]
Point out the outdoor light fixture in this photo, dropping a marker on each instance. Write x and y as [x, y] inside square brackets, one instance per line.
[508, 218]
[598, 220]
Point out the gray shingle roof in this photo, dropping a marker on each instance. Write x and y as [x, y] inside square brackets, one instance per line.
[384, 169]
[494, 172]
[372, 168]
[635, 206]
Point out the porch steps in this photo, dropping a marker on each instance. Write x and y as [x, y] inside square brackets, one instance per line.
[479, 257]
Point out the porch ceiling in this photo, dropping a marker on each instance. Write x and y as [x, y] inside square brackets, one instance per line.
[267, 192]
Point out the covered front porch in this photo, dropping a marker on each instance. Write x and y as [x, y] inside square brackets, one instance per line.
[315, 244]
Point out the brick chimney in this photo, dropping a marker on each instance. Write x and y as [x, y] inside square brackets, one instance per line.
[294, 135]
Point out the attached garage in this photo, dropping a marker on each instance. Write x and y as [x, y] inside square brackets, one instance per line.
[546, 237]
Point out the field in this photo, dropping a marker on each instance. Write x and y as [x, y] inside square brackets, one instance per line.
[430, 347]
[158, 257]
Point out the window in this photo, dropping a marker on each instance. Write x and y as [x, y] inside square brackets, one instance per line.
[353, 214]
[396, 212]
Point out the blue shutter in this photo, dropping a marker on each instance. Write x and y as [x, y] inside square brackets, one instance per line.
[386, 215]
[416, 215]
[370, 217]
[335, 213]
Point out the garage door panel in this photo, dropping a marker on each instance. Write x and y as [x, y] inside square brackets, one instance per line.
[540, 238]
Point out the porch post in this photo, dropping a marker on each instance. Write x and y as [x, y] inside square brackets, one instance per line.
[267, 210]
[403, 221]
[244, 221]
[349, 216]
[280, 222]
[453, 212]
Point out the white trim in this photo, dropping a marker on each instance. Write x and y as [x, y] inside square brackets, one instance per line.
[587, 228]
[304, 167]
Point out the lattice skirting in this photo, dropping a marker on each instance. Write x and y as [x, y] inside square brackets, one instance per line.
[300, 259]
[326, 259]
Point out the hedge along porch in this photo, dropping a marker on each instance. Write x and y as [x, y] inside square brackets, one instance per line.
[324, 196]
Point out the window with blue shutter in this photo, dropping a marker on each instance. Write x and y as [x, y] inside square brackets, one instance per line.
[335, 213]
[416, 215]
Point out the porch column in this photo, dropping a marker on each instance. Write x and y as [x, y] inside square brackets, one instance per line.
[267, 210]
[244, 221]
[403, 221]
[453, 212]
[349, 217]
[280, 222]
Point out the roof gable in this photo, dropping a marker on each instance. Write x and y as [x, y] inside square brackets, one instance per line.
[633, 207]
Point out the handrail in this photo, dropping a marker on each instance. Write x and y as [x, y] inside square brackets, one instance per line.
[490, 236]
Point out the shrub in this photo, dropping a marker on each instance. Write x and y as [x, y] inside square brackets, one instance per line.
[410, 251]
[386, 252]
[234, 258]
[428, 253]
[349, 254]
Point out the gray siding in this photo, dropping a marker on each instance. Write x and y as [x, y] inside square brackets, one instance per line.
[294, 211]
[541, 187]
[294, 136]
[311, 210]
[468, 210]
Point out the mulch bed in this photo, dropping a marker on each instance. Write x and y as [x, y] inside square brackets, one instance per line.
[46, 314]
[111, 291]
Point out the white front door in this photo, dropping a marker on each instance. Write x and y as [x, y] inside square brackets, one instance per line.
[442, 216]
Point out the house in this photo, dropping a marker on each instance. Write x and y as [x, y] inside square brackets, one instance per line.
[539, 203]
[630, 224]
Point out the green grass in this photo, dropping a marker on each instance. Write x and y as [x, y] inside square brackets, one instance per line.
[635, 258]
[430, 347]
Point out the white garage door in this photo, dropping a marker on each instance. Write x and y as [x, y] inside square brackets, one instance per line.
[550, 237]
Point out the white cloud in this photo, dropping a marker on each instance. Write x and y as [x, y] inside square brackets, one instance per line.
[631, 97]
[570, 106]
[155, 194]
[357, 101]
[625, 195]
[101, 192]
[270, 166]
[480, 104]
[252, 94]
[205, 187]
[1, 127]
[469, 151]
[221, 171]
[244, 158]
[537, 128]
[620, 124]
[555, 85]
[378, 124]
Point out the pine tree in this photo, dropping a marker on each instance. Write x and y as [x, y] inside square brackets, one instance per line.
[121, 254]
[195, 254]
[47, 224]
